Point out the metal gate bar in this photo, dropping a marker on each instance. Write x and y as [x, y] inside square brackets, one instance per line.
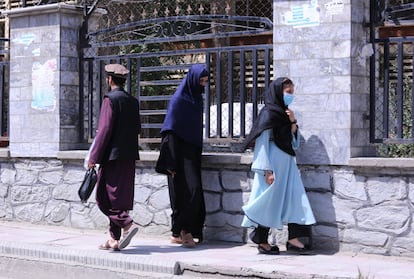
[230, 96]
[4, 130]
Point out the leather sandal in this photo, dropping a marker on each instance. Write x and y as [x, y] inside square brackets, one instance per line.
[108, 246]
[187, 240]
[176, 240]
[127, 236]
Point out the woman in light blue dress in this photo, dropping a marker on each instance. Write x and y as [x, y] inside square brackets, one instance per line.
[278, 196]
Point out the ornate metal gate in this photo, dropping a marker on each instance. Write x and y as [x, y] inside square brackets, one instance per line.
[161, 41]
[392, 68]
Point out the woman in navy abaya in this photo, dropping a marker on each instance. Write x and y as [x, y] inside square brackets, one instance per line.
[180, 157]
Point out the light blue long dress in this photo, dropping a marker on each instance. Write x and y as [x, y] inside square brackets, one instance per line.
[285, 200]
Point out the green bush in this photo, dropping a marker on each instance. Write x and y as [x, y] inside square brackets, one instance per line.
[397, 150]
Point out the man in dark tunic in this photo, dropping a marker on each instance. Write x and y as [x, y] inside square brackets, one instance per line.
[116, 150]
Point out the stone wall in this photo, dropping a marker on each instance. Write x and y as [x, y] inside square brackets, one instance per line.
[366, 207]
[44, 191]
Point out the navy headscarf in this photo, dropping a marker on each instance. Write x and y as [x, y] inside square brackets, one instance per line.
[185, 110]
[273, 115]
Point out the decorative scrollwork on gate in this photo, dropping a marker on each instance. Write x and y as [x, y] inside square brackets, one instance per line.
[179, 28]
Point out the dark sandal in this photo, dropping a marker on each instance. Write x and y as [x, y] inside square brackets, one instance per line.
[303, 251]
[274, 250]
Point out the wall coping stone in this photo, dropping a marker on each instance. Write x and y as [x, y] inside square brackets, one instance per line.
[213, 159]
[4, 152]
[42, 9]
[405, 163]
[239, 158]
[247, 158]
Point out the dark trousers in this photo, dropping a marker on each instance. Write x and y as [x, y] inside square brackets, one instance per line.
[261, 234]
[186, 191]
[118, 219]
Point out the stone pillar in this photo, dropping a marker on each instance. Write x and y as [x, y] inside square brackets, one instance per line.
[44, 79]
[323, 47]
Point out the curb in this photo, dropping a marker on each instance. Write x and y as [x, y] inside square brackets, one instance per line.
[242, 272]
[109, 261]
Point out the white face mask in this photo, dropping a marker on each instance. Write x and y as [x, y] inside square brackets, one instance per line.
[288, 98]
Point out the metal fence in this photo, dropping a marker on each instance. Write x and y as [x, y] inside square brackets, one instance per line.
[238, 77]
[391, 72]
[159, 57]
[392, 103]
[122, 11]
[159, 40]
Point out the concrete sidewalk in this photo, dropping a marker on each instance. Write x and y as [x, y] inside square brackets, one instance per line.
[31, 251]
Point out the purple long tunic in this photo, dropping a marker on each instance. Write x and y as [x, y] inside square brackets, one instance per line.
[115, 186]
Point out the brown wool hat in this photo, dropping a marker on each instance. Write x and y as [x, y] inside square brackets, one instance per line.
[116, 70]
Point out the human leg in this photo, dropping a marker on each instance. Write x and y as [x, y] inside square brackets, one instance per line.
[294, 232]
[119, 193]
[186, 196]
[260, 236]
[122, 222]
[118, 220]
[103, 203]
[193, 215]
[180, 232]
[175, 228]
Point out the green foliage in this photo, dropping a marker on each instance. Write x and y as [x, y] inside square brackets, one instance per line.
[152, 61]
[397, 150]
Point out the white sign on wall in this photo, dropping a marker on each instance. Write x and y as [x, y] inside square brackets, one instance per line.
[305, 15]
[334, 7]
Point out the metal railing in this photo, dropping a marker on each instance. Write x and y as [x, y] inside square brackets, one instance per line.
[165, 39]
[4, 91]
[238, 78]
[239, 74]
[392, 90]
[4, 97]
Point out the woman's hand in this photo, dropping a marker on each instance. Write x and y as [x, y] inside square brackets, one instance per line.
[269, 177]
[291, 115]
[292, 120]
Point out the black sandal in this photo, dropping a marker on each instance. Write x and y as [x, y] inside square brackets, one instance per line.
[274, 250]
[303, 251]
